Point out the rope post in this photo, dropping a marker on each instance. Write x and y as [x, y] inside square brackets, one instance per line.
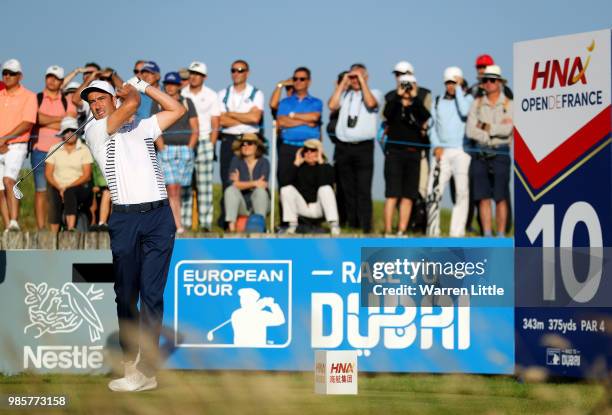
[273, 178]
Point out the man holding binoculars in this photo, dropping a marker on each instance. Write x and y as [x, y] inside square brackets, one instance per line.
[356, 128]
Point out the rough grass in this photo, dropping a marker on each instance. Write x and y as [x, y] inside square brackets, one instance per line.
[192, 392]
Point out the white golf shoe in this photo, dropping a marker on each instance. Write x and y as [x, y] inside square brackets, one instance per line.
[133, 381]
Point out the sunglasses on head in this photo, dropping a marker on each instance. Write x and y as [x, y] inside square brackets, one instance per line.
[239, 70]
[9, 73]
[299, 78]
[487, 80]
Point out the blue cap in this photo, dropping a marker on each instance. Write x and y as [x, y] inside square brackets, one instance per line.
[150, 67]
[172, 78]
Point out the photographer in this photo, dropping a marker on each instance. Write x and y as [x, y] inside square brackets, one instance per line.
[405, 115]
[356, 127]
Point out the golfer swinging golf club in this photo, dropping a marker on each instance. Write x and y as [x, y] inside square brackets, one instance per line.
[141, 226]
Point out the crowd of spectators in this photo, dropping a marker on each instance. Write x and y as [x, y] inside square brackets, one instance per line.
[462, 136]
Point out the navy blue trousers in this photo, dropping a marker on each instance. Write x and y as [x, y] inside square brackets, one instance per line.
[142, 245]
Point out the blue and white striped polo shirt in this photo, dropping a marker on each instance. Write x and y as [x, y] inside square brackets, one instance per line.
[128, 161]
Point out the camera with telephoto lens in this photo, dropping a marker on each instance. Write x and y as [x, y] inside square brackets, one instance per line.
[351, 121]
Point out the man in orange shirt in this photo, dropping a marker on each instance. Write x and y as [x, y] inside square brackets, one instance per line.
[52, 108]
[17, 116]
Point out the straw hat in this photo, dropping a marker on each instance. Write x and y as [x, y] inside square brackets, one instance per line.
[248, 137]
[315, 144]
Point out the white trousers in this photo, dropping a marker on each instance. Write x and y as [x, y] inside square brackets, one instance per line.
[294, 204]
[456, 163]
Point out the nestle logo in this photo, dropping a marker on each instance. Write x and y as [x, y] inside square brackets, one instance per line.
[63, 357]
[341, 368]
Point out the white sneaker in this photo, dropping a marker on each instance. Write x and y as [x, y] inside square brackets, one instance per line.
[13, 226]
[133, 381]
[335, 230]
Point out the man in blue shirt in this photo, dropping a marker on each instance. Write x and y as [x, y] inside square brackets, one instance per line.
[299, 119]
[151, 74]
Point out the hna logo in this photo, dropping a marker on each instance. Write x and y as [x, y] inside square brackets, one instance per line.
[341, 368]
[566, 74]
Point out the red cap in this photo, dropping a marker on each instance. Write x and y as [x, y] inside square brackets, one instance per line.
[484, 60]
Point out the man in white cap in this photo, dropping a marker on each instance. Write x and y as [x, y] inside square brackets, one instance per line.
[208, 109]
[447, 134]
[141, 226]
[490, 125]
[403, 68]
[406, 68]
[52, 108]
[17, 117]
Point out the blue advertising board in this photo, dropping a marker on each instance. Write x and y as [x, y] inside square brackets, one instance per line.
[268, 304]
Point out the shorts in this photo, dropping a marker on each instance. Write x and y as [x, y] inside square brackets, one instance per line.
[40, 181]
[402, 170]
[177, 163]
[490, 177]
[12, 160]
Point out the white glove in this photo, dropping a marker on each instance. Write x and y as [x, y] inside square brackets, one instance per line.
[139, 84]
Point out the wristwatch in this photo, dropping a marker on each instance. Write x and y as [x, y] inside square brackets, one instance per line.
[279, 85]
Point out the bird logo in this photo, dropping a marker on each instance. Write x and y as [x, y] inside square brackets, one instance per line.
[64, 310]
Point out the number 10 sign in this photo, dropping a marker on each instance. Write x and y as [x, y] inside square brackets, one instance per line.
[563, 197]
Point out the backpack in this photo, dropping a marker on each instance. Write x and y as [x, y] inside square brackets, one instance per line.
[251, 97]
[34, 133]
[255, 224]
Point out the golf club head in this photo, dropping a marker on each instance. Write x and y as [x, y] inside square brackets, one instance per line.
[17, 192]
[210, 336]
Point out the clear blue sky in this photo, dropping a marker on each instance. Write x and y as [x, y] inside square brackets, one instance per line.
[275, 37]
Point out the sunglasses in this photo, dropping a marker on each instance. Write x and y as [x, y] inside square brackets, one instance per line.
[310, 150]
[9, 73]
[481, 66]
[397, 73]
[87, 73]
[299, 78]
[487, 80]
[450, 83]
[239, 70]
[137, 71]
[247, 143]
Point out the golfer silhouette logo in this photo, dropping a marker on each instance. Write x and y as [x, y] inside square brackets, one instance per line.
[250, 322]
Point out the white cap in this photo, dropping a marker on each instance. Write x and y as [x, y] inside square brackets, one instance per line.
[98, 85]
[452, 72]
[12, 65]
[68, 123]
[72, 86]
[407, 78]
[198, 67]
[56, 71]
[492, 71]
[404, 67]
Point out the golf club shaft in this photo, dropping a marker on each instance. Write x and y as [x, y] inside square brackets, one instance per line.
[54, 150]
[226, 322]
